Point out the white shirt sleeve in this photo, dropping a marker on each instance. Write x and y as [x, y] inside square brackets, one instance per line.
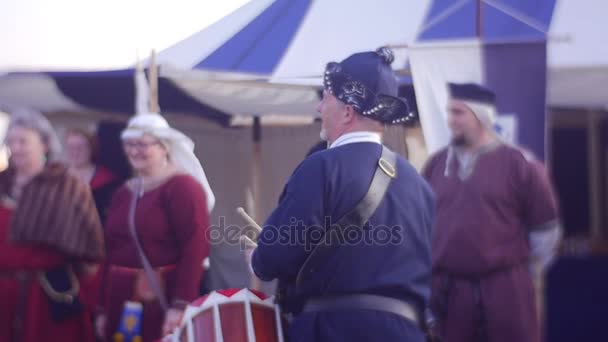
[543, 246]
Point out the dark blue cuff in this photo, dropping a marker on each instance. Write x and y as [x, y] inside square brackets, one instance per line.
[255, 266]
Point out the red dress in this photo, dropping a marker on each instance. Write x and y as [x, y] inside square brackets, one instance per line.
[103, 185]
[38, 325]
[172, 222]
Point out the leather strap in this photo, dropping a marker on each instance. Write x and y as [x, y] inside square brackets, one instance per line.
[148, 269]
[364, 302]
[386, 170]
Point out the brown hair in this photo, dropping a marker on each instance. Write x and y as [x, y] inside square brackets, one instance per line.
[91, 140]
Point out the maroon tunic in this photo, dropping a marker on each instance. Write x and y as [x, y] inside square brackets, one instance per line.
[38, 324]
[172, 223]
[480, 244]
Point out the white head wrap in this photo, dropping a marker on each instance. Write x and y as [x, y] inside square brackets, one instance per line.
[486, 114]
[181, 147]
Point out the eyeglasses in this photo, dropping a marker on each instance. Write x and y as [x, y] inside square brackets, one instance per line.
[139, 145]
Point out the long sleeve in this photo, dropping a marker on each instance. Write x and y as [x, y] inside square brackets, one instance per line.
[541, 214]
[538, 198]
[544, 244]
[189, 218]
[287, 236]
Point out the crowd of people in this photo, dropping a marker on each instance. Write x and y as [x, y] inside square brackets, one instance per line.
[77, 244]
[465, 237]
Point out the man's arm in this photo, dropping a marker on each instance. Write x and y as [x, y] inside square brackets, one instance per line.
[286, 240]
[541, 215]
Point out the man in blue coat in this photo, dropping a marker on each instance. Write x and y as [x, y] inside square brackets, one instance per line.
[353, 256]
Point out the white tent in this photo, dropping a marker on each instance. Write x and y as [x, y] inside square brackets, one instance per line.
[227, 65]
[450, 50]
[578, 55]
[274, 48]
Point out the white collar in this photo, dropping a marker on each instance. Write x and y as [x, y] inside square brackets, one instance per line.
[355, 137]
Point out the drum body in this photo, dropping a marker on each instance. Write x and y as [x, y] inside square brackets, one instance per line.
[234, 315]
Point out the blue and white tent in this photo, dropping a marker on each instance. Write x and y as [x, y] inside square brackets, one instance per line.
[261, 59]
[264, 57]
[278, 49]
[532, 53]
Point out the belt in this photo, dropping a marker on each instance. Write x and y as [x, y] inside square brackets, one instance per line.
[18, 275]
[444, 298]
[364, 302]
[126, 269]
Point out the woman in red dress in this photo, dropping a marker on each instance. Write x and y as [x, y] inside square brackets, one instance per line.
[82, 154]
[49, 231]
[169, 200]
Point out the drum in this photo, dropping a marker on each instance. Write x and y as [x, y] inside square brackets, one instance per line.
[234, 315]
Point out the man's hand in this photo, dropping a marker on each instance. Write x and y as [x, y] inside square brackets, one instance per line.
[248, 248]
[173, 318]
[100, 326]
[248, 256]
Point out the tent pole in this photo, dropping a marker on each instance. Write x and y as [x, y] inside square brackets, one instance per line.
[479, 20]
[256, 166]
[153, 80]
[256, 183]
[594, 162]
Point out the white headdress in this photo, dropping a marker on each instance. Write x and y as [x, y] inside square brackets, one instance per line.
[181, 147]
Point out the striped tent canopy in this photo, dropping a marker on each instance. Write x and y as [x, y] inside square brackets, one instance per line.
[533, 54]
[265, 58]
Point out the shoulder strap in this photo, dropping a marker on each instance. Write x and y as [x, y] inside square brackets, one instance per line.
[150, 274]
[363, 211]
[385, 172]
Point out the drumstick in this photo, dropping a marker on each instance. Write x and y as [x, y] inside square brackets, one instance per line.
[255, 282]
[249, 220]
[247, 241]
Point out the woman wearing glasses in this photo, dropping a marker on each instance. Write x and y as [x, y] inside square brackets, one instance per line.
[156, 231]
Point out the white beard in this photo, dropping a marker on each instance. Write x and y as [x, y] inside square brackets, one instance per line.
[323, 134]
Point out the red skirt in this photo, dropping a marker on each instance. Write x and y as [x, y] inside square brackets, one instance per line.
[119, 287]
[37, 324]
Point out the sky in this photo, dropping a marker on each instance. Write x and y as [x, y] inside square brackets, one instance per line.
[97, 34]
[107, 34]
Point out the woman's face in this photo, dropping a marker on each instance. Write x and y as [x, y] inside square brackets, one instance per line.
[146, 153]
[78, 150]
[26, 147]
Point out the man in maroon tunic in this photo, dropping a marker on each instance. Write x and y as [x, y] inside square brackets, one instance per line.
[496, 219]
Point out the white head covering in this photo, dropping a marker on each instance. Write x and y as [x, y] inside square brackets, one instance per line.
[181, 147]
[486, 114]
